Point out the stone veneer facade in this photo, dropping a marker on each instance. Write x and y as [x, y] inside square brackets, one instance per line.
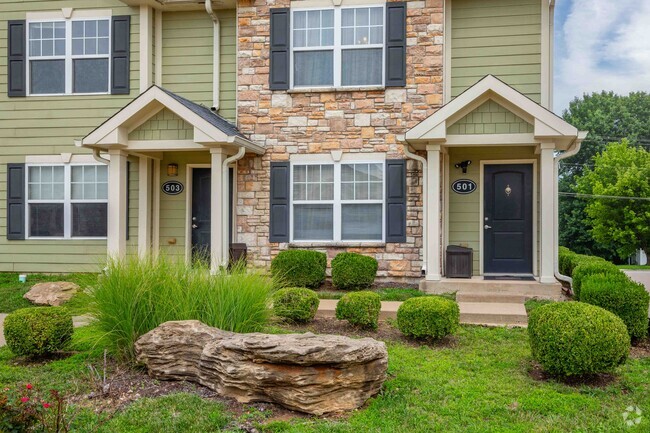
[295, 122]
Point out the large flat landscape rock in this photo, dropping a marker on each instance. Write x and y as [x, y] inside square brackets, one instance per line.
[310, 373]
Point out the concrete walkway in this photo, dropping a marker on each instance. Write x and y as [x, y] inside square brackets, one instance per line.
[475, 309]
[642, 277]
[76, 322]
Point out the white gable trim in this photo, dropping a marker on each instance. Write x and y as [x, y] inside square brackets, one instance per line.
[547, 126]
[114, 133]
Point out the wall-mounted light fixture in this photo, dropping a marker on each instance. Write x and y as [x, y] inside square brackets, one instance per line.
[172, 170]
[463, 165]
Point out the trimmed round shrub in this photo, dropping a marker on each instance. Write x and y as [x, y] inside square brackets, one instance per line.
[592, 267]
[360, 309]
[428, 317]
[352, 271]
[575, 339]
[581, 259]
[625, 298]
[36, 332]
[295, 304]
[300, 268]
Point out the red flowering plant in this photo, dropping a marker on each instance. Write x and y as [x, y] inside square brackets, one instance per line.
[24, 407]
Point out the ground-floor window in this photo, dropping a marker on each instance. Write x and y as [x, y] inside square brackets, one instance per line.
[67, 201]
[338, 201]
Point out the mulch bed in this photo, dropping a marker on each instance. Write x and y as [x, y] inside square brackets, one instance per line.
[641, 349]
[385, 332]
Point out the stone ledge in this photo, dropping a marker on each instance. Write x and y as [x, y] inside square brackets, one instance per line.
[335, 89]
[337, 244]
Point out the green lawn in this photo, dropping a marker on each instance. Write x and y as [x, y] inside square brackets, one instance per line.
[12, 291]
[635, 267]
[480, 383]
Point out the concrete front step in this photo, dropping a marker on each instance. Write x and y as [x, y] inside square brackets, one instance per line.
[528, 289]
[474, 313]
[493, 313]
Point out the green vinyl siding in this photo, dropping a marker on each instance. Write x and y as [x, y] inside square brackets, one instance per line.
[490, 118]
[498, 37]
[187, 52]
[134, 176]
[465, 210]
[173, 208]
[163, 126]
[48, 125]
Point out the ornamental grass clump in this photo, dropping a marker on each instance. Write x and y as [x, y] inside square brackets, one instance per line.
[428, 317]
[295, 304]
[360, 309]
[577, 339]
[36, 332]
[299, 268]
[352, 271]
[135, 295]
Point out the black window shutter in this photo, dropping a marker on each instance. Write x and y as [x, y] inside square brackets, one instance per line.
[16, 58]
[15, 201]
[280, 36]
[395, 200]
[120, 55]
[279, 224]
[396, 44]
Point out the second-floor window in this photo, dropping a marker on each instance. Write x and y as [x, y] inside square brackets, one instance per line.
[338, 47]
[69, 56]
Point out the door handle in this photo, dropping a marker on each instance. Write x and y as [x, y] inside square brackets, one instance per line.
[487, 227]
[194, 226]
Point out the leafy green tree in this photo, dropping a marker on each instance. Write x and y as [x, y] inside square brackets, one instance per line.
[608, 118]
[619, 171]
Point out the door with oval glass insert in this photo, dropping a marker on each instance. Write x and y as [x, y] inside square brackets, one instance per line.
[508, 219]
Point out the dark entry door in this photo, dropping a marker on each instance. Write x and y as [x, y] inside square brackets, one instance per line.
[201, 214]
[508, 219]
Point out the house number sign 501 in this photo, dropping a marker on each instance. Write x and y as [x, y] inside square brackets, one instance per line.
[172, 187]
[463, 186]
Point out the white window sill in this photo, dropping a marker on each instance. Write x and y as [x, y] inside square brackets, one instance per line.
[336, 89]
[361, 244]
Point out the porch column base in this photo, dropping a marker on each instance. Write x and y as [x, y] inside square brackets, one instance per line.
[433, 277]
[547, 280]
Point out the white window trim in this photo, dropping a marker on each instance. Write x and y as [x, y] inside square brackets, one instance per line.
[337, 202]
[67, 202]
[337, 48]
[68, 57]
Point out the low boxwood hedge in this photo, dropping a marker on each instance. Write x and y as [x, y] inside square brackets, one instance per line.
[360, 309]
[299, 268]
[38, 331]
[625, 298]
[587, 268]
[575, 339]
[352, 271]
[428, 317]
[295, 304]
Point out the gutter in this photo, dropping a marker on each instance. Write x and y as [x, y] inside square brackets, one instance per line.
[423, 160]
[225, 194]
[98, 157]
[575, 148]
[216, 55]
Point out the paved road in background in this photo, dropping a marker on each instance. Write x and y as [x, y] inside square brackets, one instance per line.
[642, 277]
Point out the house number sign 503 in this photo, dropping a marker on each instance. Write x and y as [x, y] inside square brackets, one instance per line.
[172, 187]
[463, 186]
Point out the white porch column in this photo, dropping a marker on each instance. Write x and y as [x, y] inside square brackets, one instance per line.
[433, 214]
[547, 210]
[116, 233]
[144, 207]
[218, 257]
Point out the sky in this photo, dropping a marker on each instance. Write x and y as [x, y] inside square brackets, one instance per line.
[600, 45]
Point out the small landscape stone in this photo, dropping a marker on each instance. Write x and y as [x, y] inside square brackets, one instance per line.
[52, 293]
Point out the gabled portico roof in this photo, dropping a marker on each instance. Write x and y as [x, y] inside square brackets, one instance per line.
[209, 129]
[547, 126]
